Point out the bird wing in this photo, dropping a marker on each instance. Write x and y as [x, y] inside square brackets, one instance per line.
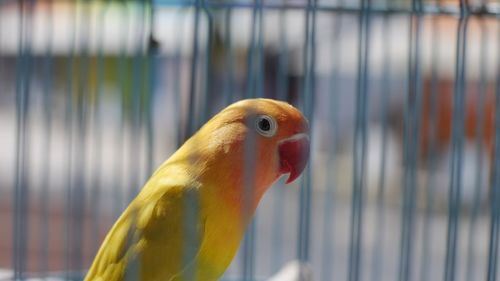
[157, 237]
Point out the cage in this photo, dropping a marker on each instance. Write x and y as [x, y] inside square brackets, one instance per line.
[401, 96]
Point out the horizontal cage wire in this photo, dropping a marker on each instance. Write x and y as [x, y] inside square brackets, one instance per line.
[402, 180]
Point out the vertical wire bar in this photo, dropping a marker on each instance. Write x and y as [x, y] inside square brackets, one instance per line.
[136, 67]
[257, 86]
[309, 89]
[494, 238]
[132, 269]
[282, 86]
[259, 92]
[122, 67]
[176, 78]
[76, 197]
[2, 67]
[457, 151]
[192, 240]
[47, 119]
[250, 164]
[3, 60]
[359, 147]
[191, 113]
[80, 143]
[229, 94]
[248, 269]
[136, 107]
[480, 129]
[378, 249]
[21, 192]
[208, 93]
[69, 134]
[249, 252]
[277, 229]
[259, 57]
[327, 260]
[97, 127]
[181, 130]
[191, 202]
[149, 86]
[152, 57]
[411, 144]
[278, 198]
[427, 228]
[251, 58]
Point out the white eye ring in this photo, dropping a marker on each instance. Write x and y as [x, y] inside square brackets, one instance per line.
[266, 125]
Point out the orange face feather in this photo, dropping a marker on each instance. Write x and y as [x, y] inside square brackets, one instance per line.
[232, 149]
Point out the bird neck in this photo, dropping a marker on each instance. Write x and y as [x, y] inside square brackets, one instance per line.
[225, 173]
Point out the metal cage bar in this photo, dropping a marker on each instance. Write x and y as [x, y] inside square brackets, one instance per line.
[397, 95]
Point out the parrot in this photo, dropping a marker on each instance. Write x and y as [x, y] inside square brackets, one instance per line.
[188, 220]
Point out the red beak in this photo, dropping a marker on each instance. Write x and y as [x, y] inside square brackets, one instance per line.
[293, 153]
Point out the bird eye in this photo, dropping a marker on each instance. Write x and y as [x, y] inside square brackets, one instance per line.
[266, 125]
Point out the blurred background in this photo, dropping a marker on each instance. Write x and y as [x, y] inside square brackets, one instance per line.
[401, 96]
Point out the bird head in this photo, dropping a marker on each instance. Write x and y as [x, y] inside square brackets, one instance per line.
[249, 145]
